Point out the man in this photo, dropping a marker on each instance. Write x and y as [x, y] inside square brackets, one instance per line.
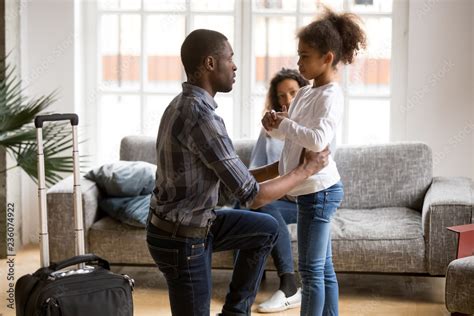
[195, 156]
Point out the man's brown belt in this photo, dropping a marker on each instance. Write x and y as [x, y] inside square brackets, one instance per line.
[179, 230]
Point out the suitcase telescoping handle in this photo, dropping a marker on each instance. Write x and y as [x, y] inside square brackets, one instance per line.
[78, 216]
[71, 117]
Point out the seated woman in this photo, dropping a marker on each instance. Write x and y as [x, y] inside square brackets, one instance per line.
[283, 88]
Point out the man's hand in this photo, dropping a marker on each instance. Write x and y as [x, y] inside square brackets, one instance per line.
[314, 162]
[276, 188]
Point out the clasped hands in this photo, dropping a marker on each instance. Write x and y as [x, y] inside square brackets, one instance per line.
[271, 120]
[309, 160]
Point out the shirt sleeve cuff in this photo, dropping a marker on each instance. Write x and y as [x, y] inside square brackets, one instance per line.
[248, 200]
[285, 125]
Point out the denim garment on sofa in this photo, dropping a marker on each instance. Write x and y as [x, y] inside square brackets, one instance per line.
[129, 210]
[126, 188]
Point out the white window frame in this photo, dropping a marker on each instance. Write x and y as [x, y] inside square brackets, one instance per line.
[91, 49]
[242, 93]
[397, 95]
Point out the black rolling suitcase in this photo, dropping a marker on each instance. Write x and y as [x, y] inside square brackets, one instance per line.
[70, 287]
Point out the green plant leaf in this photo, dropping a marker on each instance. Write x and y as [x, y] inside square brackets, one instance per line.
[18, 135]
[57, 150]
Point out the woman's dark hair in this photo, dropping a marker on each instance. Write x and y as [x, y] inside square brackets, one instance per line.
[271, 102]
[339, 33]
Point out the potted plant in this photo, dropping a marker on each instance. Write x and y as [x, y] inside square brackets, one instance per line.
[18, 134]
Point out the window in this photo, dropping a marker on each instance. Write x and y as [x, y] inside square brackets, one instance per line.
[134, 67]
[366, 83]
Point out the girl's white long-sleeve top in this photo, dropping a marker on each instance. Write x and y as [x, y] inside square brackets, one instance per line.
[314, 117]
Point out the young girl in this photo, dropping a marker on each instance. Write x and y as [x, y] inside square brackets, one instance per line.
[311, 124]
[283, 88]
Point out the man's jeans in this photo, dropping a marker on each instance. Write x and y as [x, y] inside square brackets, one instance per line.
[285, 212]
[320, 293]
[186, 262]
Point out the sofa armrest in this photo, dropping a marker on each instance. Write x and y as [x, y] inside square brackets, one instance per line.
[61, 216]
[459, 288]
[448, 202]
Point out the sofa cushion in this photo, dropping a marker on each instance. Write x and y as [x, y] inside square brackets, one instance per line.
[123, 244]
[376, 224]
[379, 240]
[363, 243]
[142, 148]
[243, 148]
[119, 243]
[356, 224]
[388, 175]
[124, 178]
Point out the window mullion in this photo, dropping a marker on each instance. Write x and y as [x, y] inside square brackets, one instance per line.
[143, 65]
[298, 14]
[246, 40]
[92, 52]
[345, 77]
[187, 29]
[399, 70]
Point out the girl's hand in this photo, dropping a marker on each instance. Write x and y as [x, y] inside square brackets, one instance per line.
[273, 119]
[268, 120]
[279, 116]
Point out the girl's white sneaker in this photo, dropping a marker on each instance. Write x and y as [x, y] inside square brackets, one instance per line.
[279, 302]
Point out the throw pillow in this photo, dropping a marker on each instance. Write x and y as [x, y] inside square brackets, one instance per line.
[124, 178]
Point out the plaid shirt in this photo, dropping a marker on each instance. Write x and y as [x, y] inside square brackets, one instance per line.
[194, 156]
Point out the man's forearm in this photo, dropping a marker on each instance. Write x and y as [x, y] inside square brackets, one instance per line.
[265, 173]
[276, 188]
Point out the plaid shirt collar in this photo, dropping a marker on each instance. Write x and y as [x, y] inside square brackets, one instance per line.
[200, 93]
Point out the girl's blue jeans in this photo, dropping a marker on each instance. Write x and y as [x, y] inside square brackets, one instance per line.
[320, 291]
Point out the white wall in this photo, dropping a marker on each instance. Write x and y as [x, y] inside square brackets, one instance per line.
[472, 73]
[47, 65]
[13, 10]
[440, 100]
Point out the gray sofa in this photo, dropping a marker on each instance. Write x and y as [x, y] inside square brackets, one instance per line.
[393, 218]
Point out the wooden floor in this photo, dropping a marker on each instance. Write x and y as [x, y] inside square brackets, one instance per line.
[360, 294]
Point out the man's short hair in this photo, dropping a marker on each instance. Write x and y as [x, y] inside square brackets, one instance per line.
[198, 45]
